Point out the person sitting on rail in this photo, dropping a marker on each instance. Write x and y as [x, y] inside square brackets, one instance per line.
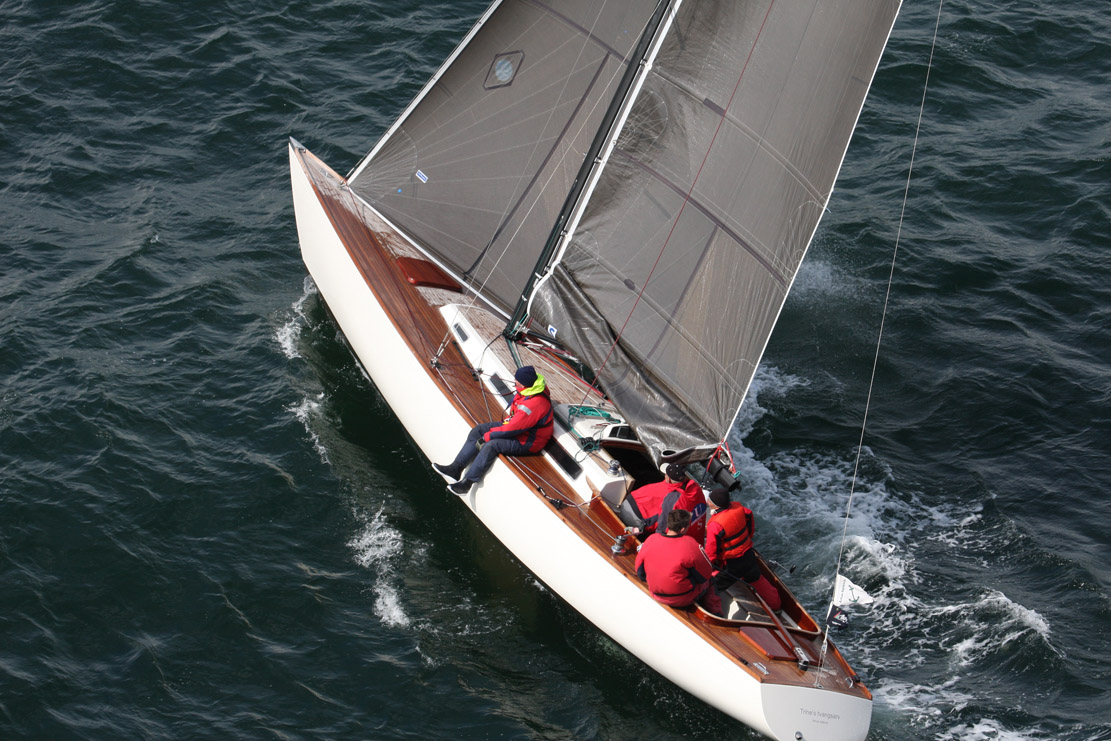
[729, 547]
[646, 507]
[677, 571]
[526, 431]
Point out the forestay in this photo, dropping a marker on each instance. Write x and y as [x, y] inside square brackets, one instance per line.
[694, 231]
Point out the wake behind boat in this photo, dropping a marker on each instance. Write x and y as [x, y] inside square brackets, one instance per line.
[619, 196]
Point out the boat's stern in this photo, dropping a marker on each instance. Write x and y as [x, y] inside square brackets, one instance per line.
[812, 714]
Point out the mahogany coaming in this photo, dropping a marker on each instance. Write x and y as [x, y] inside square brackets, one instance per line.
[423, 329]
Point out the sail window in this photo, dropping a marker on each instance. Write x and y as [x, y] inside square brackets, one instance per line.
[503, 69]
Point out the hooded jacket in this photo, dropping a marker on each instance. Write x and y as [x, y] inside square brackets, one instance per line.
[530, 420]
[654, 501]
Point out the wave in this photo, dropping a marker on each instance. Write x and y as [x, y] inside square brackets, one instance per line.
[377, 547]
[305, 411]
[288, 333]
[933, 633]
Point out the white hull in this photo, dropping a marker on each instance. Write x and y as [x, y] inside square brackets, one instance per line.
[582, 575]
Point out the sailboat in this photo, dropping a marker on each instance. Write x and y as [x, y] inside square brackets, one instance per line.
[619, 194]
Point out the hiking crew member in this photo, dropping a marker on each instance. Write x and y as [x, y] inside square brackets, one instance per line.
[729, 547]
[526, 431]
[677, 571]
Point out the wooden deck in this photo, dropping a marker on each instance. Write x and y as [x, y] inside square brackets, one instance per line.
[414, 312]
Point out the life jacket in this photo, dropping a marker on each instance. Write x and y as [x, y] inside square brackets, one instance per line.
[675, 568]
[735, 536]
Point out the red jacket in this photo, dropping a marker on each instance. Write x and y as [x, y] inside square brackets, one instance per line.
[530, 422]
[729, 534]
[652, 499]
[675, 568]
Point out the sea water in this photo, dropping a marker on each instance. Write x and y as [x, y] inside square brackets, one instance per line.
[212, 526]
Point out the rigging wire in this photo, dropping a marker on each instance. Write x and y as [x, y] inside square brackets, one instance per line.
[879, 338]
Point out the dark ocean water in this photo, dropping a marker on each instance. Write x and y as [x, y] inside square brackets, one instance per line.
[211, 526]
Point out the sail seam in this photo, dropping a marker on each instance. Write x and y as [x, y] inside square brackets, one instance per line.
[634, 93]
[587, 32]
[588, 35]
[687, 198]
[361, 165]
[824, 205]
[576, 196]
[659, 177]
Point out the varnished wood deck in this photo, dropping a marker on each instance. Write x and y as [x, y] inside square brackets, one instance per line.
[414, 313]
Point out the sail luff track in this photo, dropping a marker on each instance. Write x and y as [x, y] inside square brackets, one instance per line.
[578, 194]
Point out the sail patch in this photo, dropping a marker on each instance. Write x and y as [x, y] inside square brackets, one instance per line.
[503, 69]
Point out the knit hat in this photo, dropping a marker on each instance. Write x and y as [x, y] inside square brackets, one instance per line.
[525, 375]
[719, 495]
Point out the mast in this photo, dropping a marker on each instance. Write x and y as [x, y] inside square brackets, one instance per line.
[520, 312]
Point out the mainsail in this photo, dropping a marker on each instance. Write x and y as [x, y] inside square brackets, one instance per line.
[479, 169]
[693, 232]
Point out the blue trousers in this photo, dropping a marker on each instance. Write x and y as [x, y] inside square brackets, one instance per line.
[481, 460]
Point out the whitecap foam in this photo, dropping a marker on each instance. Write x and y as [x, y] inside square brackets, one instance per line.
[920, 701]
[929, 707]
[289, 332]
[989, 729]
[376, 547]
[917, 628]
[387, 606]
[768, 381]
[825, 283]
[989, 626]
[887, 531]
[817, 279]
[305, 411]
[287, 336]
